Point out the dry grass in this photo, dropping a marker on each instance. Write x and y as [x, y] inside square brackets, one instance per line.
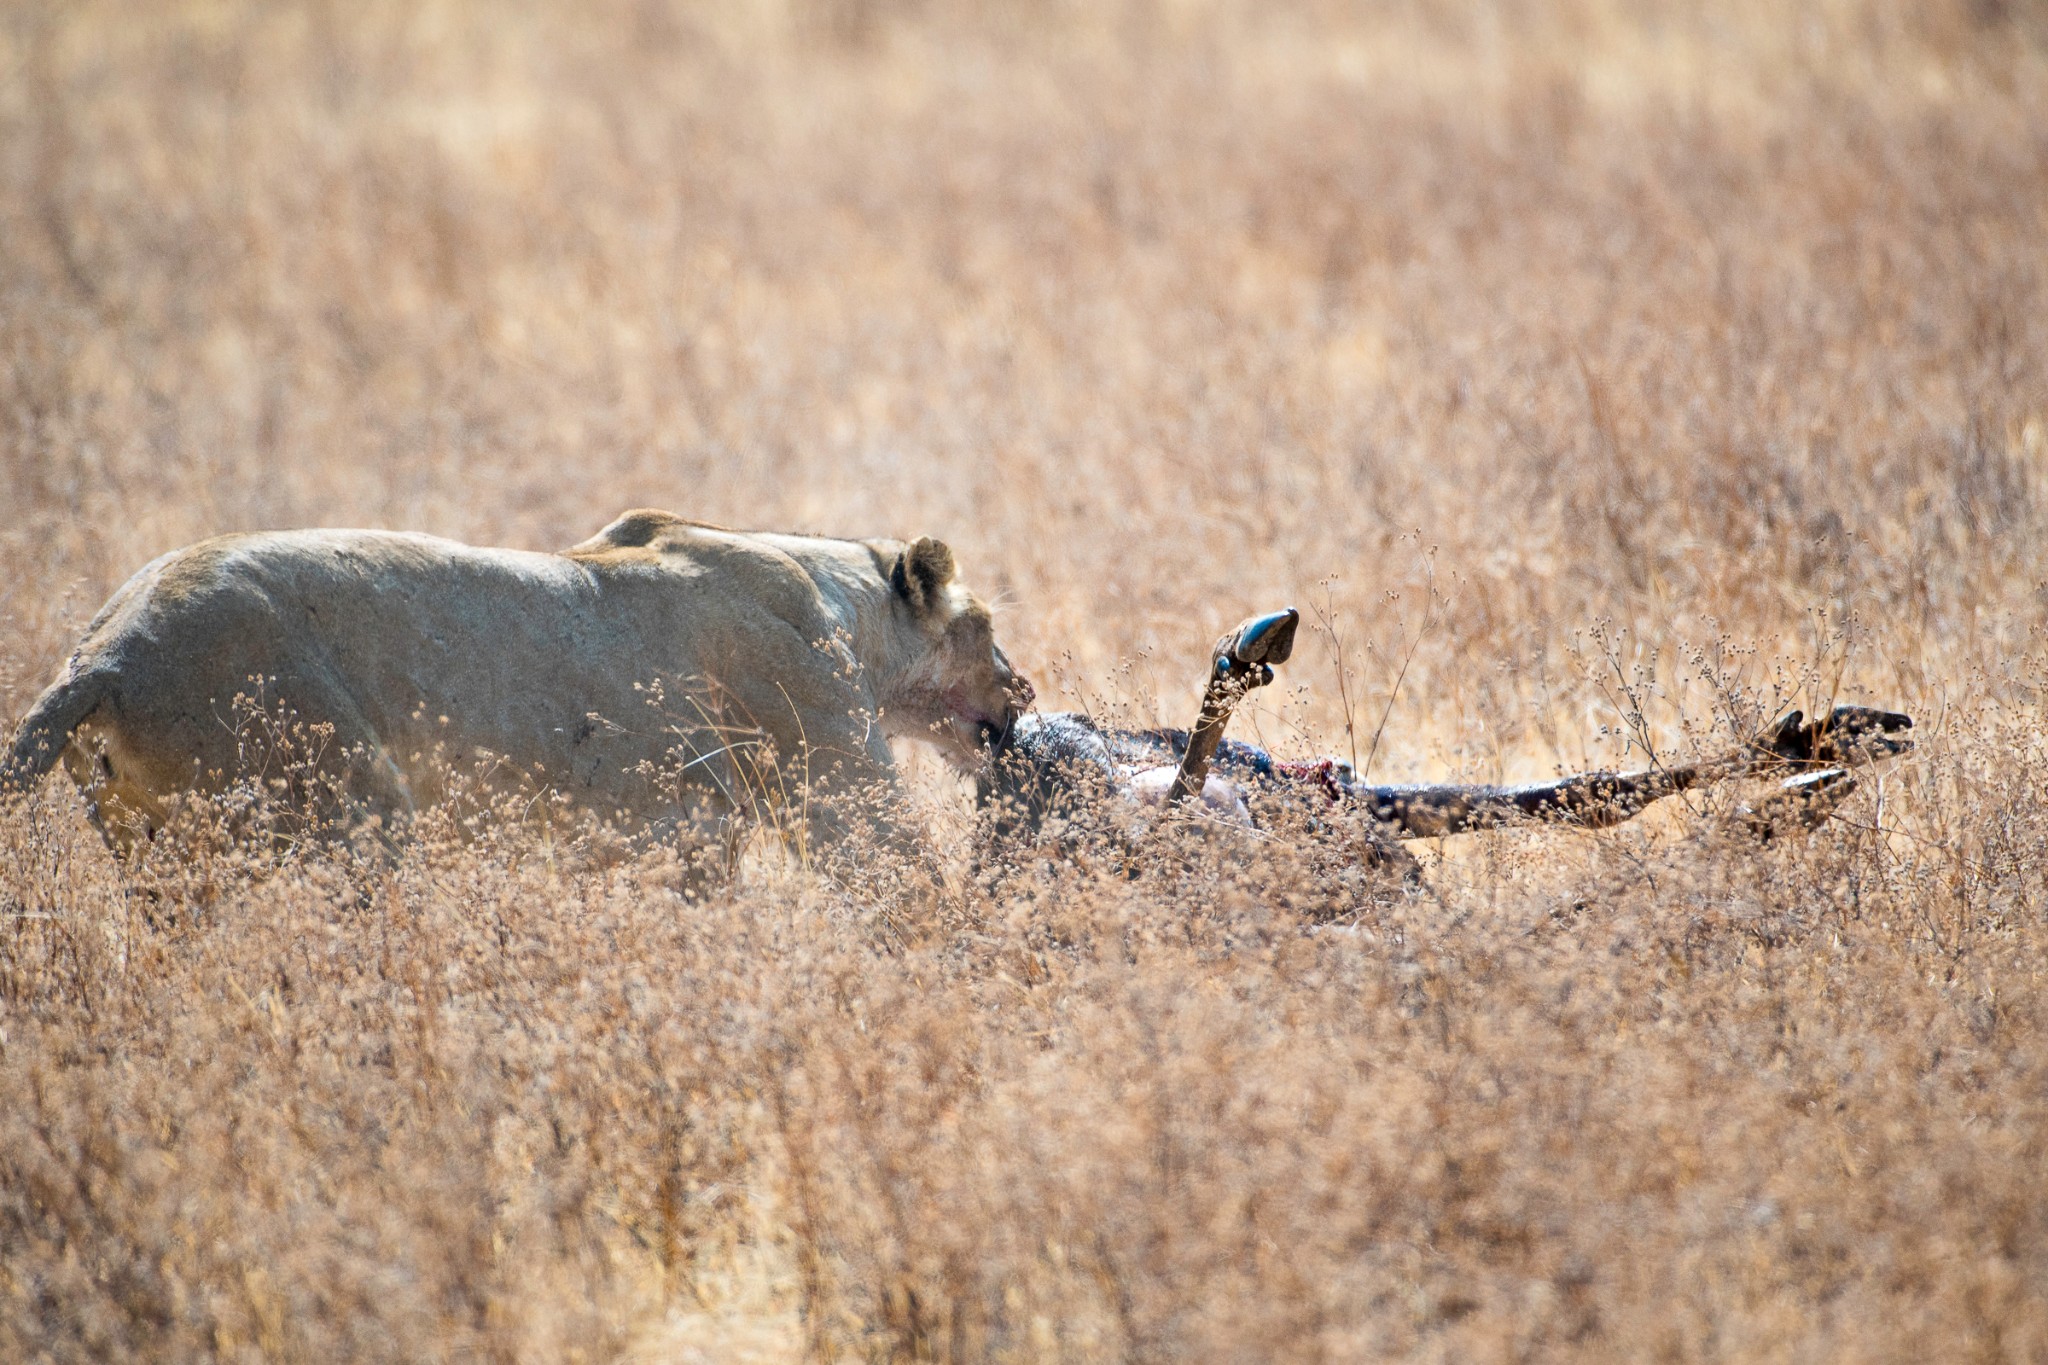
[1633, 367]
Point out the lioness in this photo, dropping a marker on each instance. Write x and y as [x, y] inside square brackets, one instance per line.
[662, 663]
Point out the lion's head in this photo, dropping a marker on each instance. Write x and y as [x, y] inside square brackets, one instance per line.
[960, 691]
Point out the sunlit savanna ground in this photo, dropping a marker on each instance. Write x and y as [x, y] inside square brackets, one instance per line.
[1606, 373]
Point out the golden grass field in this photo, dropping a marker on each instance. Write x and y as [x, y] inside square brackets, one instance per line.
[1623, 371]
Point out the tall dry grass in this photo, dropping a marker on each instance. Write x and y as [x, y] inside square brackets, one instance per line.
[1617, 369]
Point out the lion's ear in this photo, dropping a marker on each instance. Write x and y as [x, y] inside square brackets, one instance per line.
[922, 572]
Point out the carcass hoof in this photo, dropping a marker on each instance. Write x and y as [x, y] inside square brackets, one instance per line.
[1800, 804]
[1249, 652]
[1847, 735]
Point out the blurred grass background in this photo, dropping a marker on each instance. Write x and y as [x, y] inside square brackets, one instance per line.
[1635, 366]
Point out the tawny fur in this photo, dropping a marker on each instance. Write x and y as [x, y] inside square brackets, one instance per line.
[658, 648]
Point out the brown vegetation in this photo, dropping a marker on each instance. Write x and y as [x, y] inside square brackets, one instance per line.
[1605, 372]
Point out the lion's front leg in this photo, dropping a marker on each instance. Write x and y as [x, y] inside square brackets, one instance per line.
[831, 794]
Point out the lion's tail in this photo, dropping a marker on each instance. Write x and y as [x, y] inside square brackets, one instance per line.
[47, 727]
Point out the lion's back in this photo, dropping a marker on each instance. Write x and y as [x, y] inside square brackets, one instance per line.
[429, 653]
[220, 610]
[364, 632]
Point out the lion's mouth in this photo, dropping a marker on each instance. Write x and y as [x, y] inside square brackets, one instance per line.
[989, 733]
[977, 729]
[994, 738]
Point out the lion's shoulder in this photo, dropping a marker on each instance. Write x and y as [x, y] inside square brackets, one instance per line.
[727, 570]
[645, 528]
